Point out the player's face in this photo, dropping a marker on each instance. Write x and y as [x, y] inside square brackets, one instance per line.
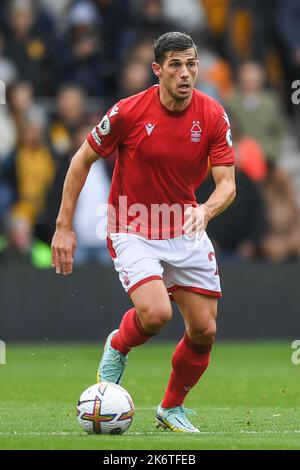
[178, 73]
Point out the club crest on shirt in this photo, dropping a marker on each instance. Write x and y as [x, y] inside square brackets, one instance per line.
[196, 132]
[104, 125]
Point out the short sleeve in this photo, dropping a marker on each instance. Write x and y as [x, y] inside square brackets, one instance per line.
[221, 148]
[108, 134]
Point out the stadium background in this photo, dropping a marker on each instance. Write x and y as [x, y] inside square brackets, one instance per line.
[63, 63]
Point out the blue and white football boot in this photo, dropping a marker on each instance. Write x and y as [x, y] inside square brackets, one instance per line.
[175, 419]
[112, 363]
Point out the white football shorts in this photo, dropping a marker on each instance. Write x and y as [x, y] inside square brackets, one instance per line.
[182, 262]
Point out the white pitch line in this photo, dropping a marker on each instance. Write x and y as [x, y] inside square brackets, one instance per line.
[146, 408]
[294, 431]
[152, 433]
[216, 433]
[40, 434]
[151, 408]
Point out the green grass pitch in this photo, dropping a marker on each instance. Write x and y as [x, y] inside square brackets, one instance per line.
[248, 399]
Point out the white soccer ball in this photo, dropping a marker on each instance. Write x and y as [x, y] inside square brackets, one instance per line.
[105, 408]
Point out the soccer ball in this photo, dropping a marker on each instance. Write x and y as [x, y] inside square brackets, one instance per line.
[105, 408]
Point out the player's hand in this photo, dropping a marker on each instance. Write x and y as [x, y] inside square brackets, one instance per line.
[63, 248]
[195, 221]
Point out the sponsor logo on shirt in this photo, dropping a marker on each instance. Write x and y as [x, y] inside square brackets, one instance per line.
[228, 133]
[104, 125]
[196, 132]
[96, 137]
[149, 127]
[229, 138]
[114, 111]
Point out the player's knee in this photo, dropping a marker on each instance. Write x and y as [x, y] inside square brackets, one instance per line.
[204, 336]
[155, 318]
[209, 334]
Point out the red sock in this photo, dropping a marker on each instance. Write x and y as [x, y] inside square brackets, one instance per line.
[189, 362]
[130, 334]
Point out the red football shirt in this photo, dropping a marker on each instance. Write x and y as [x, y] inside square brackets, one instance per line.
[162, 159]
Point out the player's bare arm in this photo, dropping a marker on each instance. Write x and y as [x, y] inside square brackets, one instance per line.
[64, 240]
[197, 218]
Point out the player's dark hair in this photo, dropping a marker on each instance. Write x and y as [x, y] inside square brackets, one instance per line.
[173, 41]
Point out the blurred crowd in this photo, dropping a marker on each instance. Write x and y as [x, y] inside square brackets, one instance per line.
[64, 62]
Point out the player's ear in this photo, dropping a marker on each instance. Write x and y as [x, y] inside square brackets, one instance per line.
[156, 69]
